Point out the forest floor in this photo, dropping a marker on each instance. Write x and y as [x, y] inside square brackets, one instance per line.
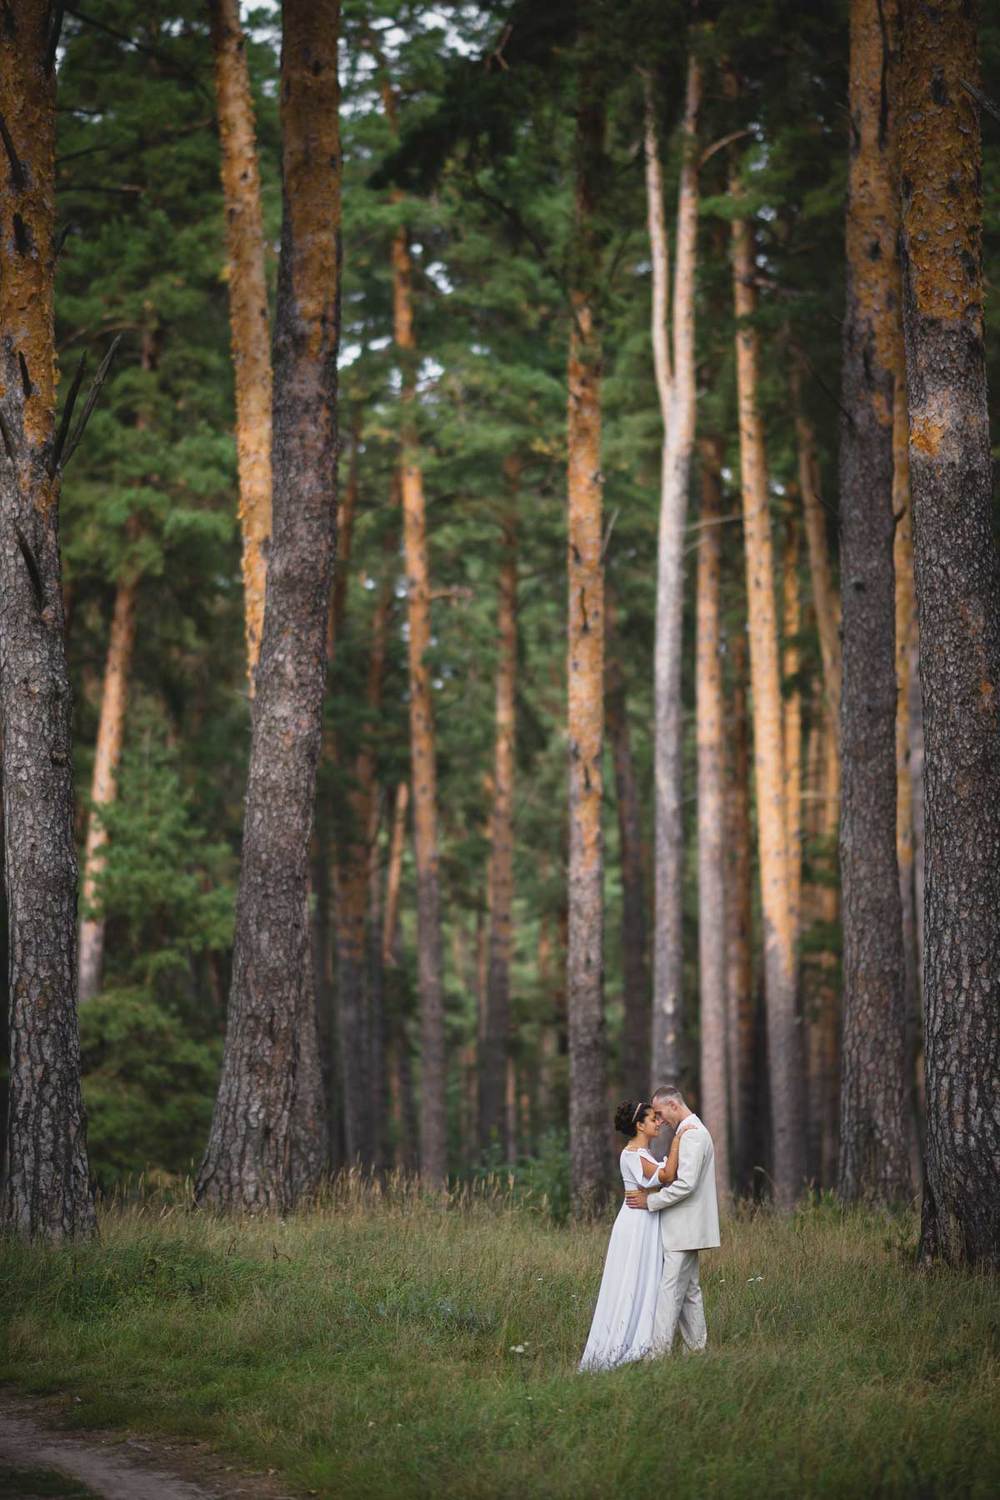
[394, 1345]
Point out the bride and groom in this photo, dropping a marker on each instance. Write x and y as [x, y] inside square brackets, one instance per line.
[650, 1286]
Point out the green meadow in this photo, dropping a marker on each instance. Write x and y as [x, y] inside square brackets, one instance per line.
[389, 1344]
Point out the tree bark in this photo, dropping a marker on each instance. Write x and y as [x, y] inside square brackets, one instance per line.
[792, 720]
[784, 1043]
[394, 875]
[248, 310]
[493, 1058]
[823, 1034]
[873, 1159]
[958, 605]
[423, 753]
[248, 1163]
[585, 677]
[110, 733]
[352, 866]
[635, 973]
[711, 816]
[741, 1019]
[46, 1191]
[675, 382]
[824, 592]
[104, 785]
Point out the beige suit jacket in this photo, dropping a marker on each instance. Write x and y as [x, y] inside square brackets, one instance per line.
[689, 1207]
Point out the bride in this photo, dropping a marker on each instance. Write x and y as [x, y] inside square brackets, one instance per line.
[622, 1329]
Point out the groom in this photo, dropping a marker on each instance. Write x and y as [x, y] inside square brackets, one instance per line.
[689, 1222]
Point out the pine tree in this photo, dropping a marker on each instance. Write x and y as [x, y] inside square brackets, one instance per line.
[873, 1160]
[958, 605]
[251, 1160]
[46, 1192]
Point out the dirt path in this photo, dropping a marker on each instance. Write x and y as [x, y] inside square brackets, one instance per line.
[123, 1468]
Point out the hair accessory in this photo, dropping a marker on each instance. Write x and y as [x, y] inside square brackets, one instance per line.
[639, 1106]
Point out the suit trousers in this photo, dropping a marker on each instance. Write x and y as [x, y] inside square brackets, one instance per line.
[679, 1303]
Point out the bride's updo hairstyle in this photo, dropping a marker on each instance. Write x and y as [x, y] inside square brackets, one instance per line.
[628, 1114]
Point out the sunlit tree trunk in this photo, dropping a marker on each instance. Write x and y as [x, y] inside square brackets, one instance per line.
[674, 360]
[824, 592]
[110, 736]
[873, 1158]
[585, 676]
[394, 876]
[740, 1006]
[256, 1157]
[784, 1044]
[714, 1105]
[958, 605]
[104, 784]
[493, 1058]
[635, 973]
[248, 310]
[46, 1192]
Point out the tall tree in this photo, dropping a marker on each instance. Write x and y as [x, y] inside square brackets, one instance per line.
[873, 1158]
[249, 1163]
[741, 1019]
[711, 814]
[635, 972]
[585, 660]
[784, 1046]
[496, 1025]
[675, 383]
[248, 310]
[111, 729]
[958, 605]
[46, 1191]
[792, 723]
[104, 784]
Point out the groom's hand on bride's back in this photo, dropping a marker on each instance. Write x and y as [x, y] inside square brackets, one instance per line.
[638, 1198]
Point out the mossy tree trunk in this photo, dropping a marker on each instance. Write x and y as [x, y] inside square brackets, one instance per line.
[46, 1191]
[258, 1155]
[958, 606]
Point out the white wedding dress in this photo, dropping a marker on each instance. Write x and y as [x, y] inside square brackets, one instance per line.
[622, 1329]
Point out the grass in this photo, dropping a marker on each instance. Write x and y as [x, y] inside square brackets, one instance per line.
[370, 1348]
[19, 1484]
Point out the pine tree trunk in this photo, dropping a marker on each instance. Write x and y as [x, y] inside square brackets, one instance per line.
[104, 785]
[792, 720]
[714, 1104]
[824, 592]
[873, 1158]
[394, 875]
[958, 604]
[493, 1054]
[824, 1018]
[675, 380]
[784, 1042]
[585, 676]
[248, 1163]
[906, 664]
[353, 857]
[46, 1192]
[423, 754]
[635, 974]
[248, 310]
[741, 1020]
